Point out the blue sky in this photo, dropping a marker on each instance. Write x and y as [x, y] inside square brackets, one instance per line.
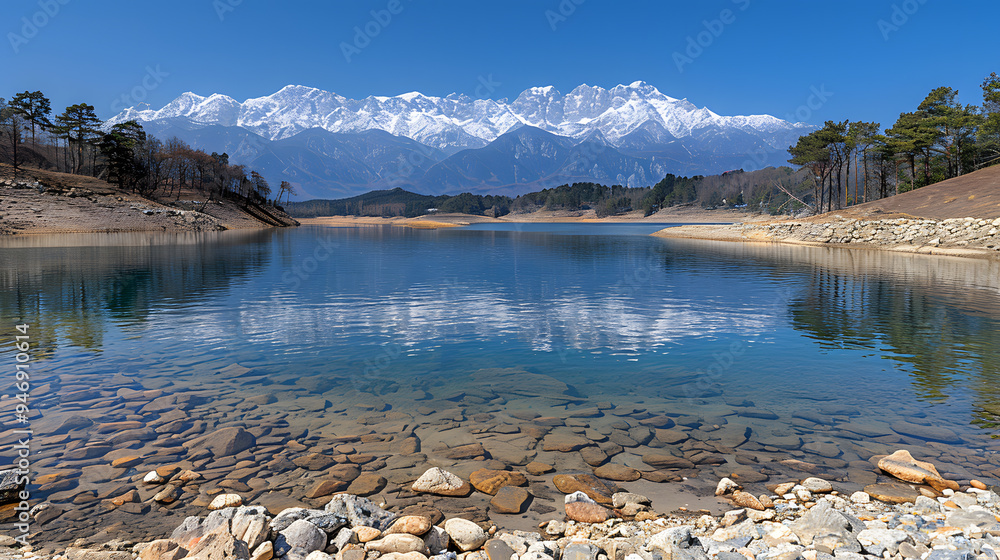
[870, 59]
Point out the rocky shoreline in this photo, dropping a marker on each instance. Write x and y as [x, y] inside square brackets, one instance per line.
[956, 236]
[922, 516]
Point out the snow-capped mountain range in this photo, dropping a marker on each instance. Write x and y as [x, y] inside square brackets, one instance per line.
[640, 124]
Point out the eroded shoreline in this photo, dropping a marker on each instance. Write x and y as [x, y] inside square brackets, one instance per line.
[958, 237]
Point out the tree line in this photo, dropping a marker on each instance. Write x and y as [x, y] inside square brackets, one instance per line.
[763, 190]
[939, 140]
[123, 154]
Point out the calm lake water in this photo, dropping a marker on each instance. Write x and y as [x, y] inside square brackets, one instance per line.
[774, 359]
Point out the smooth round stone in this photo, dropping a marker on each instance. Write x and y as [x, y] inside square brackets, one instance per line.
[565, 443]
[410, 524]
[465, 534]
[892, 493]
[816, 485]
[663, 461]
[932, 433]
[367, 484]
[314, 461]
[325, 488]
[441, 482]
[616, 472]
[583, 512]
[588, 484]
[510, 499]
[537, 469]
[490, 481]
[224, 501]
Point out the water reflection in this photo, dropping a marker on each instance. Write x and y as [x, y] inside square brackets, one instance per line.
[338, 295]
[938, 315]
[73, 288]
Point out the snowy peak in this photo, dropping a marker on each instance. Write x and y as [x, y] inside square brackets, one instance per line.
[457, 121]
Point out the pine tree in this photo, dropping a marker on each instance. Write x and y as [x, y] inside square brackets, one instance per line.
[36, 108]
[79, 124]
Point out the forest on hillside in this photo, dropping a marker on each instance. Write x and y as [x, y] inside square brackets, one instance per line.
[76, 141]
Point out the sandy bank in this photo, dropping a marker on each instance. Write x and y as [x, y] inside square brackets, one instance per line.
[682, 215]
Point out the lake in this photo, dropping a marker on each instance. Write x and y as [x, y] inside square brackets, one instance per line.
[369, 354]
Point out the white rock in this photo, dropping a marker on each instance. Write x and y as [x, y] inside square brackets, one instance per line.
[861, 497]
[578, 497]
[726, 486]
[465, 534]
[153, 478]
[225, 500]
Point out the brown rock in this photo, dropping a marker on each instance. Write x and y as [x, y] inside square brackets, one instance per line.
[671, 437]
[563, 442]
[224, 442]
[410, 524]
[903, 466]
[314, 461]
[588, 484]
[367, 484]
[583, 512]
[537, 469]
[489, 481]
[593, 456]
[126, 462]
[660, 476]
[162, 549]
[977, 484]
[620, 473]
[129, 497]
[662, 461]
[219, 544]
[468, 451]
[746, 500]
[345, 472]
[326, 487]
[510, 499]
[168, 495]
[367, 534]
[892, 493]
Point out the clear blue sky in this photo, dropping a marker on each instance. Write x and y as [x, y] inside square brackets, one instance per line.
[766, 58]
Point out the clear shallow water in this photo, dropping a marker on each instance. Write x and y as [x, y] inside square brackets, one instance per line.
[815, 353]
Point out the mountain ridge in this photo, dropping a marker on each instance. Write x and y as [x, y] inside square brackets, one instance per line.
[645, 134]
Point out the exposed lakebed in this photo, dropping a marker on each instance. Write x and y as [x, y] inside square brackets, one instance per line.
[268, 362]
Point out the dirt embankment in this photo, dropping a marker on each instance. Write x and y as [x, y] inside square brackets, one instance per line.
[959, 217]
[688, 214]
[40, 202]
